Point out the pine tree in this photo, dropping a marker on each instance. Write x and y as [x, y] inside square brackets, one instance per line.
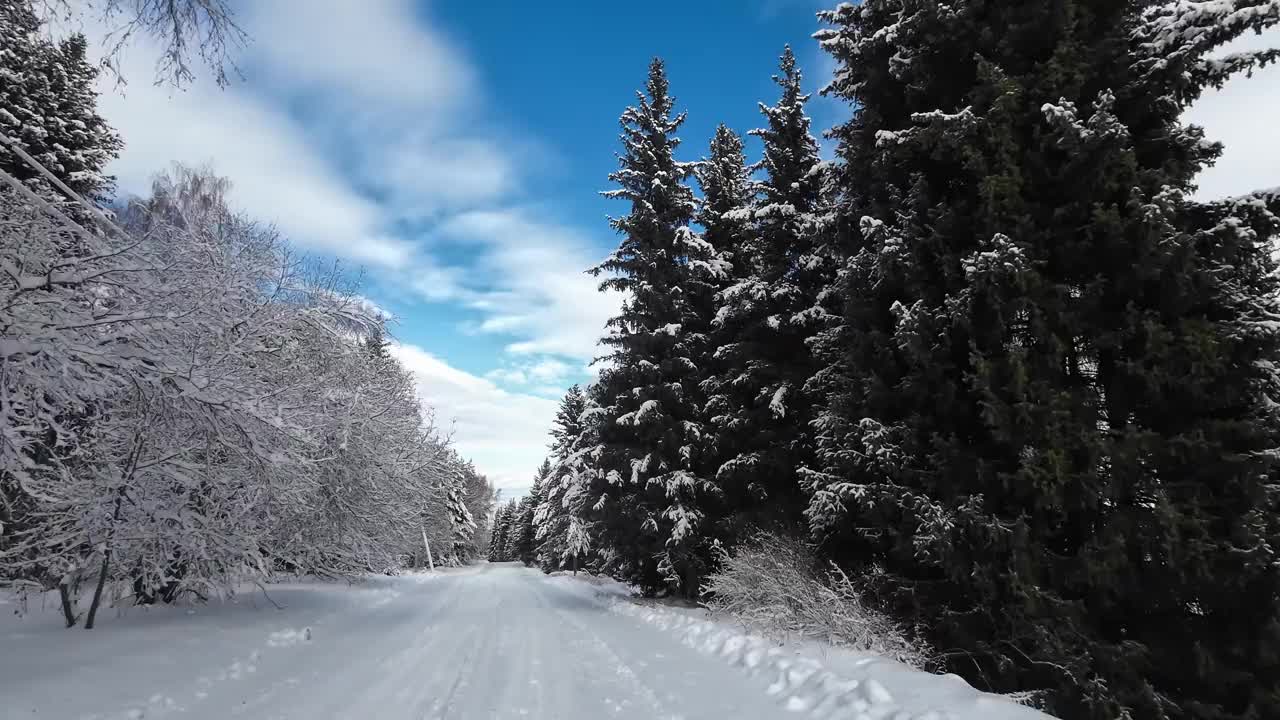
[527, 542]
[758, 400]
[511, 538]
[501, 530]
[1049, 396]
[48, 106]
[551, 516]
[577, 472]
[653, 494]
[568, 423]
[462, 523]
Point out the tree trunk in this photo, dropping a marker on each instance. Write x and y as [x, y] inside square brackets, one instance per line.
[106, 563]
[575, 564]
[97, 590]
[68, 610]
[690, 582]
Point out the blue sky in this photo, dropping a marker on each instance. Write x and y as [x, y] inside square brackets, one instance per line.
[455, 151]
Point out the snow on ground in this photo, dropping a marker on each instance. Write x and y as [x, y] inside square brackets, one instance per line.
[820, 680]
[495, 641]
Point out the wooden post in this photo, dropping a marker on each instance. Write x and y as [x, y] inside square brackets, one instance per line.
[427, 543]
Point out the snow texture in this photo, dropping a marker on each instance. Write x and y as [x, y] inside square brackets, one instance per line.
[819, 680]
[495, 641]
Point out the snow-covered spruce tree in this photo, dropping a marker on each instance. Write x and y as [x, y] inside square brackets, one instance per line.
[527, 539]
[477, 495]
[504, 532]
[727, 191]
[498, 540]
[551, 516]
[758, 402]
[48, 105]
[1051, 416]
[518, 533]
[514, 531]
[651, 501]
[565, 527]
[462, 524]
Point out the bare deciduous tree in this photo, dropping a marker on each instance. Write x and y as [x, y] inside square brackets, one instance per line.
[185, 404]
[189, 32]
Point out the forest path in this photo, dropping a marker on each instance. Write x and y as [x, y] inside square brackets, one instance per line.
[496, 641]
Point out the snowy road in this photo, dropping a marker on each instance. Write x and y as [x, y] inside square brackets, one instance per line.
[497, 641]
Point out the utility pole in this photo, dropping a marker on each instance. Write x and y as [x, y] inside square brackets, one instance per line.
[427, 544]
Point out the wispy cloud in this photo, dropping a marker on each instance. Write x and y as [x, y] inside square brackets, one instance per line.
[374, 54]
[542, 375]
[360, 132]
[504, 432]
[277, 176]
[545, 296]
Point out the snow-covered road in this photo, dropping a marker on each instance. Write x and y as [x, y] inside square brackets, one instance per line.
[496, 641]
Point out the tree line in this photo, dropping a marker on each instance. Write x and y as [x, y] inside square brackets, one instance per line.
[186, 403]
[994, 360]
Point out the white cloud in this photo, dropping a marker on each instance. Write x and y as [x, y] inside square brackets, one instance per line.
[375, 50]
[363, 65]
[508, 375]
[392, 131]
[504, 433]
[373, 309]
[548, 370]
[1241, 116]
[543, 375]
[396, 93]
[423, 175]
[275, 175]
[372, 70]
[551, 391]
[545, 295]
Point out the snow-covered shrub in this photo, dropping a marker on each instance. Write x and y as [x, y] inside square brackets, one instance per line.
[775, 586]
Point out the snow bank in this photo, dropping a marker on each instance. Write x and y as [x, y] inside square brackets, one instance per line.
[820, 680]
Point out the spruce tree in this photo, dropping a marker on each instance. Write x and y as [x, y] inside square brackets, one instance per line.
[727, 193]
[568, 423]
[758, 400]
[48, 106]
[462, 524]
[578, 472]
[515, 530]
[500, 539]
[656, 486]
[551, 516]
[724, 214]
[527, 543]
[511, 538]
[1048, 412]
